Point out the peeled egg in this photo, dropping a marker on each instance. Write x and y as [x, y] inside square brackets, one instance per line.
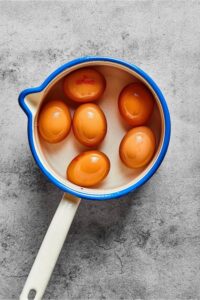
[88, 168]
[54, 121]
[137, 147]
[84, 85]
[136, 104]
[89, 124]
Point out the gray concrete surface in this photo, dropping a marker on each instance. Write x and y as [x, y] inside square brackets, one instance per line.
[146, 245]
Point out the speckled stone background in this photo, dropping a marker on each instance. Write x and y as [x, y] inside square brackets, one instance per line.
[146, 245]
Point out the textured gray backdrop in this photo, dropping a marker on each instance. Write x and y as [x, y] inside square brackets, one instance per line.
[146, 245]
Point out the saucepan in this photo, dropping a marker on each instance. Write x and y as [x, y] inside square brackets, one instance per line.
[52, 159]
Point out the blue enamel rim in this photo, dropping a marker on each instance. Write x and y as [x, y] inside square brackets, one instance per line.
[80, 61]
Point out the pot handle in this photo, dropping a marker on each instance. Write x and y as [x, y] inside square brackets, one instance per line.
[49, 251]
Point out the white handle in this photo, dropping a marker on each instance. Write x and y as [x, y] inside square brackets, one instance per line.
[50, 249]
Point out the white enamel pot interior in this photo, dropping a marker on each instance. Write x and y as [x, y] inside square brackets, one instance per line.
[53, 159]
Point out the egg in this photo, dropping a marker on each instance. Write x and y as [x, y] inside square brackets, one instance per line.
[136, 104]
[84, 85]
[88, 168]
[89, 124]
[54, 121]
[137, 147]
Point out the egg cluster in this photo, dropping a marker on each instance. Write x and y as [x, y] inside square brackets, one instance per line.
[90, 126]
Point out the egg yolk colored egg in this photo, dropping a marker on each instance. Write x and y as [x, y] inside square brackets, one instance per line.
[137, 147]
[136, 104]
[54, 121]
[89, 124]
[84, 85]
[88, 169]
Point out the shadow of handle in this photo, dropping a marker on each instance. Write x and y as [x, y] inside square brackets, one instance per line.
[50, 249]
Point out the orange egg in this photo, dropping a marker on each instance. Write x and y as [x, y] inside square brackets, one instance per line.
[89, 124]
[84, 85]
[88, 169]
[54, 121]
[137, 147]
[136, 104]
